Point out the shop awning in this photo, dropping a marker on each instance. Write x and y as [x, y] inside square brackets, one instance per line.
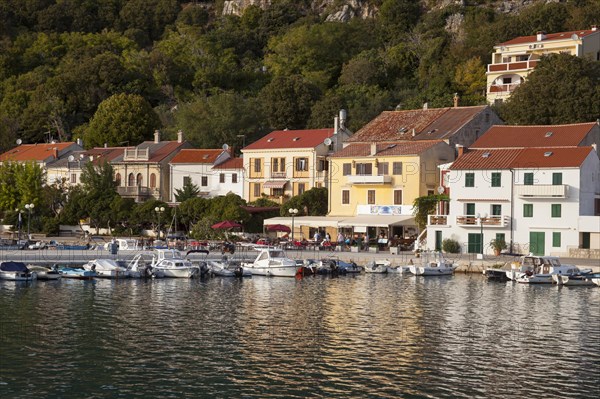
[377, 221]
[275, 184]
[310, 221]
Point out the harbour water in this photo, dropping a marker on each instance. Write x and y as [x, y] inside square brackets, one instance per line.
[363, 336]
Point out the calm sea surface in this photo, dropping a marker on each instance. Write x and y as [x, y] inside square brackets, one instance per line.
[365, 336]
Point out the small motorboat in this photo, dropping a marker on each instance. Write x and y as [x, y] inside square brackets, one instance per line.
[577, 280]
[596, 281]
[16, 271]
[378, 266]
[172, 264]
[399, 269]
[272, 262]
[336, 266]
[77, 273]
[107, 268]
[228, 268]
[432, 263]
[540, 270]
[496, 274]
[44, 273]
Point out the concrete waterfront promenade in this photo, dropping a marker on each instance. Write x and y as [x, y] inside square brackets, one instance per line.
[468, 263]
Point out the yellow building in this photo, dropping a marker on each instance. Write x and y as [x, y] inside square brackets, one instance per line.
[374, 184]
[286, 163]
[513, 60]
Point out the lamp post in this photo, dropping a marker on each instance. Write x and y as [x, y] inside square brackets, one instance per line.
[159, 210]
[293, 212]
[19, 222]
[29, 208]
[481, 217]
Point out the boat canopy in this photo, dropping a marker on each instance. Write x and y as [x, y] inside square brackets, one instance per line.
[13, 267]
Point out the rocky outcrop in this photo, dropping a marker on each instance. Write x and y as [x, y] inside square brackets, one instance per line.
[237, 7]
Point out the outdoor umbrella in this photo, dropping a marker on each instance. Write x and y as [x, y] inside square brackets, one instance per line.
[226, 224]
[279, 227]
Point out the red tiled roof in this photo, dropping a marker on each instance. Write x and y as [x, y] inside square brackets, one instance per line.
[427, 124]
[34, 152]
[519, 158]
[105, 153]
[549, 37]
[196, 156]
[504, 136]
[231, 163]
[160, 151]
[386, 149]
[291, 139]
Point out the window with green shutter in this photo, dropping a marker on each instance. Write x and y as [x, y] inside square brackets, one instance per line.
[496, 179]
[528, 179]
[496, 210]
[527, 210]
[556, 210]
[556, 239]
[470, 207]
[469, 179]
[557, 179]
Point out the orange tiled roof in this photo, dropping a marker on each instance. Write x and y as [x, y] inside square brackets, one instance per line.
[549, 37]
[522, 158]
[34, 152]
[427, 124]
[231, 163]
[291, 139]
[386, 149]
[504, 136]
[197, 156]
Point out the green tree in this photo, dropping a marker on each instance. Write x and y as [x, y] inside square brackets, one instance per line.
[99, 191]
[189, 190]
[122, 118]
[561, 89]
[424, 206]
[471, 82]
[313, 202]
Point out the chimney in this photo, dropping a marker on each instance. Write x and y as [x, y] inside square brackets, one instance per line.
[80, 142]
[541, 36]
[460, 149]
[595, 147]
[594, 28]
[456, 98]
[156, 136]
[55, 152]
[425, 106]
[343, 116]
[179, 136]
[373, 148]
[336, 125]
[414, 133]
[105, 145]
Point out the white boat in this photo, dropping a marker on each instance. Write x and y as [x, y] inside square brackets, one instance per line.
[106, 268]
[580, 280]
[228, 268]
[400, 269]
[138, 267]
[272, 262]
[172, 264]
[540, 269]
[44, 273]
[16, 271]
[596, 281]
[432, 263]
[378, 266]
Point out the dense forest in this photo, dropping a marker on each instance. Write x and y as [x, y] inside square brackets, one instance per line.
[112, 71]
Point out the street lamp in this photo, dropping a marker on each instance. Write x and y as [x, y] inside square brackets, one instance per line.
[293, 212]
[20, 221]
[481, 218]
[159, 210]
[29, 208]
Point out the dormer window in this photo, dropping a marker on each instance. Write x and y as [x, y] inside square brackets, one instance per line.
[486, 155]
[548, 134]
[548, 153]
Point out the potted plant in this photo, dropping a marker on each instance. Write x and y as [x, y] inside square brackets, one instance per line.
[374, 249]
[498, 245]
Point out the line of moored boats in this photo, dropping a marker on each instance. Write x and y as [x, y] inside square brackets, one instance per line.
[274, 262]
[532, 269]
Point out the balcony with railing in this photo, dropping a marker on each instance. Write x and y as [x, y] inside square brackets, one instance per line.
[509, 88]
[278, 175]
[474, 221]
[542, 191]
[369, 179]
[512, 66]
[136, 154]
[137, 192]
[437, 220]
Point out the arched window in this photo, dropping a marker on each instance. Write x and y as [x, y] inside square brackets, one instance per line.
[139, 180]
[152, 180]
[118, 179]
[131, 180]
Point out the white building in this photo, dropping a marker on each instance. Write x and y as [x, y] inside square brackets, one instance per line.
[214, 171]
[539, 200]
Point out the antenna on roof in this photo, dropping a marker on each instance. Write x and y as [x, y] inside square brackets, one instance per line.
[225, 147]
[71, 158]
[19, 141]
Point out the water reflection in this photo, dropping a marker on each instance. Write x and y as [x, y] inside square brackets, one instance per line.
[387, 336]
